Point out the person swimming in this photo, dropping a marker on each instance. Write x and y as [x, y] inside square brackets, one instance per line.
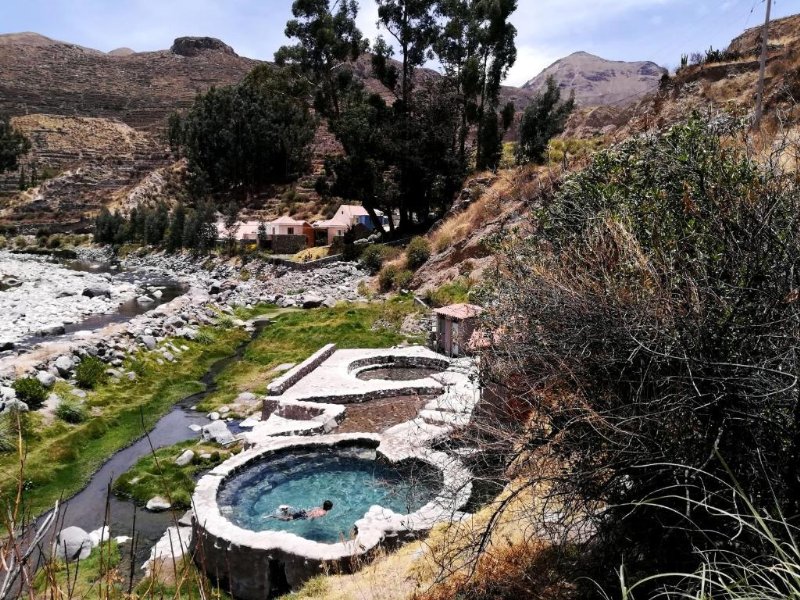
[288, 513]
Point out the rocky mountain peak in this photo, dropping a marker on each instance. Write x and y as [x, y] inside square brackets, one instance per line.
[192, 46]
[597, 81]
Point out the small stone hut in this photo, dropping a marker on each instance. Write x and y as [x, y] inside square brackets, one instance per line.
[454, 327]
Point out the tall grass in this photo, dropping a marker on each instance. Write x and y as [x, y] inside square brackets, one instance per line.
[729, 574]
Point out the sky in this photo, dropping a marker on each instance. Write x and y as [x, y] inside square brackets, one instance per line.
[657, 30]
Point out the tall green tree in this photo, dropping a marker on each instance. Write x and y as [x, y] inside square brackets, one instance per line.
[413, 26]
[327, 38]
[176, 226]
[543, 119]
[476, 48]
[13, 144]
[242, 137]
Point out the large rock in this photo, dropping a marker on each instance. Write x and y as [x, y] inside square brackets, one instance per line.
[192, 46]
[64, 365]
[13, 405]
[148, 341]
[312, 301]
[218, 432]
[175, 321]
[158, 504]
[51, 330]
[94, 291]
[46, 378]
[71, 544]
[98, 536]
[144, 300]
[185, 459]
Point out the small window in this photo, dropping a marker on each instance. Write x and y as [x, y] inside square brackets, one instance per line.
[291, 230]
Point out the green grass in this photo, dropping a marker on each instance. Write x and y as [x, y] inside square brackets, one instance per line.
[158, 475]
[192, 585]
[454, 292]
[295, 335]
[61, 458]
[91, 578]
[318, 587]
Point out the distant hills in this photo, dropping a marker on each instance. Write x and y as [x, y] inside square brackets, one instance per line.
[600, 82]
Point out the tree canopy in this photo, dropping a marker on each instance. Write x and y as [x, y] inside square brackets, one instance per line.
[245, 136]
[543, 119]
[326, 40]
[13, 144]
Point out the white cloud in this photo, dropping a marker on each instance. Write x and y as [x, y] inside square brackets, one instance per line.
[530, 62]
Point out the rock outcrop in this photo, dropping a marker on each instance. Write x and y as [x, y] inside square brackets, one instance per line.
[192, 46]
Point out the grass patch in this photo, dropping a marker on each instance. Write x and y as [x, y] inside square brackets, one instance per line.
[158, 475]
[311, 254]
[453, 292]
[61, 458]
[295, 335]
[93, 575]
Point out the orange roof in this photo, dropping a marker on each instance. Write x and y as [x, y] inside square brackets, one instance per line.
[459, 311]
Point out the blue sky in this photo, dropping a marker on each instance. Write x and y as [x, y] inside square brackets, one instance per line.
[658, 30]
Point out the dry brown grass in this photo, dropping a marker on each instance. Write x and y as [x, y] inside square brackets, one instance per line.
[509, 185]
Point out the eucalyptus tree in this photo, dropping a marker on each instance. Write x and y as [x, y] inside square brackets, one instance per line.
[327, 38]
[476, 49]
[543, 119]
[13, 144]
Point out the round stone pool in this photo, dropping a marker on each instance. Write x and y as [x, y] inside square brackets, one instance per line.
[396, 373]
[384, 493]
[351, 478]
[397, 368]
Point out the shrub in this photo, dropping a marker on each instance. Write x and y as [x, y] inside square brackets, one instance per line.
[204, 337]
[8, 441]
[402, 280]
[71, 412]
[3, 242]
[418, 253]
[386, 277]
[54, 241]
[372, 258]
[90, 372]
[453, 292]
[30, 391]
[649, 323]
[20, 241]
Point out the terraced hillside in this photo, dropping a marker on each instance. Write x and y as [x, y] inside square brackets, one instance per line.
[40, 75]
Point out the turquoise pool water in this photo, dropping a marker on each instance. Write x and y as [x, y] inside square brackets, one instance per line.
[350, 478]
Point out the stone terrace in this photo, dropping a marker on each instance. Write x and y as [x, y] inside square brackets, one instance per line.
[334, 379]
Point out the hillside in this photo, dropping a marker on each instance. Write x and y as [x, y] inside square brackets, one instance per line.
[727, 84]
[40, 75]
[596, 81]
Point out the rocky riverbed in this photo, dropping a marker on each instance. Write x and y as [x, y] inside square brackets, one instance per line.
[45, 295]
[39, 296]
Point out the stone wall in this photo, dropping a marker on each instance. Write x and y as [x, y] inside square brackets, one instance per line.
[288, 379]
[288, 244]
[255, 565]
[305, 266]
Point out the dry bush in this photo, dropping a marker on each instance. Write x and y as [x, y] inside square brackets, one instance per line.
[647, 324]
[530, 569]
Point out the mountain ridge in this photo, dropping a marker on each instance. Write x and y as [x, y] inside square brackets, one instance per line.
[598, 81]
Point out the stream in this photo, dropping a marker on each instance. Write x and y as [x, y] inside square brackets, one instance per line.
[87, 508]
